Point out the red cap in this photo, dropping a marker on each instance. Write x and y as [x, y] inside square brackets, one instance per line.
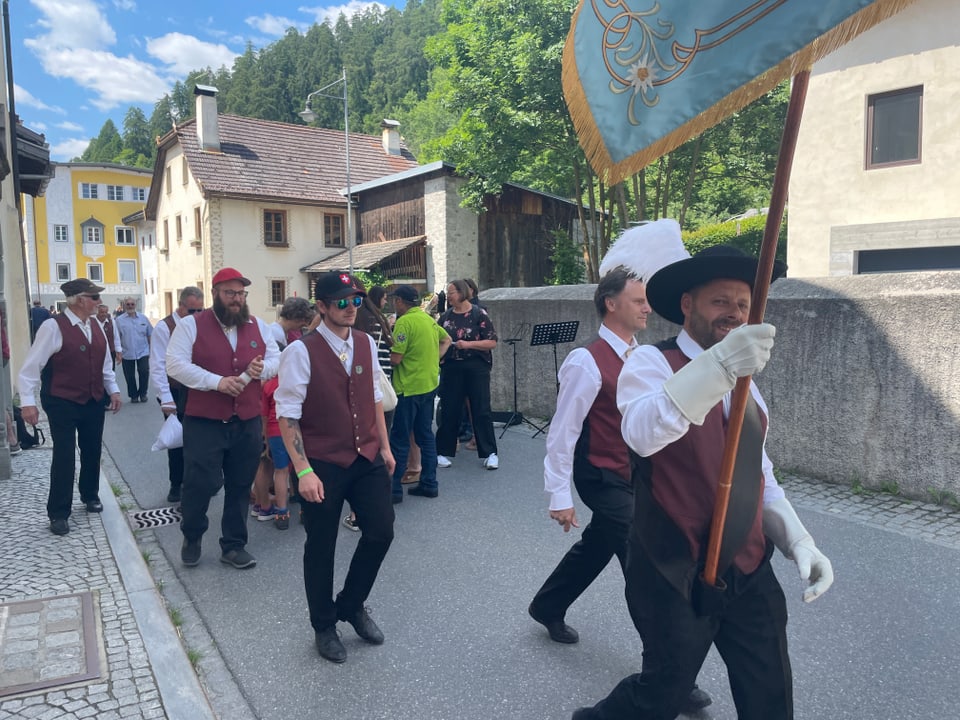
[229, 274]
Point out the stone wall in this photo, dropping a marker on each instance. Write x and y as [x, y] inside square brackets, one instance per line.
[863, 385]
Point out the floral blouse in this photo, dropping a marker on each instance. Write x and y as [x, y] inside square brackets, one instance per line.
[473, 325]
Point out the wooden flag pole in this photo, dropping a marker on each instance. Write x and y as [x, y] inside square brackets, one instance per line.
[761, 287]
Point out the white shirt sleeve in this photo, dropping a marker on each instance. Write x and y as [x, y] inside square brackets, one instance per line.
[158, 362]
[48, 341]
[116, 337]
[271, 353]
[180, 364]
[294, 378]
[651, 421]
[580, 384]
[375, 376]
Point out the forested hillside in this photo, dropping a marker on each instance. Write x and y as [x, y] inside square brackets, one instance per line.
[477, 85]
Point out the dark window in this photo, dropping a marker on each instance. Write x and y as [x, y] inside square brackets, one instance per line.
[274, 227]
[894, 122]
[333, 230]
[908, 259]
[179, 228]
[278, 292]
[63, 271]
[197, 225]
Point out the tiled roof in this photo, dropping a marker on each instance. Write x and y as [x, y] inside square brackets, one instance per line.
[365, 256]
[264, 158]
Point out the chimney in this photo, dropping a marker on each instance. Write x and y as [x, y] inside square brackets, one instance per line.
[391, 137]
[208, 129]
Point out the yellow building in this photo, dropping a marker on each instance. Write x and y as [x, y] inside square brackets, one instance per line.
[76, 230]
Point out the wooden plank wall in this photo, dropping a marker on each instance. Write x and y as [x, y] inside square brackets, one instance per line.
[395, 212]
[515, 239]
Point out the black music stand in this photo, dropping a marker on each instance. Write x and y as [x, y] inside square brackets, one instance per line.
[554, 334]
[516, 417]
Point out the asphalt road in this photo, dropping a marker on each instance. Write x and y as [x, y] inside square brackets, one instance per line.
[452, 596]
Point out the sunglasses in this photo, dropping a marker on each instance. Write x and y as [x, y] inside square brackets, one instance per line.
[344, 303]
[192, 311]
[95, 298]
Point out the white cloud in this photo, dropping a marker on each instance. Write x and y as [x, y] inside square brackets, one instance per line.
[184, 53]
[332, 12]
[24, 97]
[114, 80]
[125, 4]
[70, 126]
[71, 24]
[37, 127]
[68, 149]
[273, 25]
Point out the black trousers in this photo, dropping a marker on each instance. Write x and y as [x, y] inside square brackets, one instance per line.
[175, 455]
[750, 634]
[366, 485]
[73, 425]
[133, 368]
[610, 498]
[219, 455]
[461, 379]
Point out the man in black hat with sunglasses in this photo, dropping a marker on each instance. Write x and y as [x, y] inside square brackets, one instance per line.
[674, 398]
[331, 420]
[69, 366]
[171, 394]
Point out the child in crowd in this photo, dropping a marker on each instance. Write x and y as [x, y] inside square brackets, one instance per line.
[278, 459]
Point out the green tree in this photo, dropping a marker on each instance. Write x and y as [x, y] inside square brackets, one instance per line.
[567, 261]
[137, 142]
[106, 146]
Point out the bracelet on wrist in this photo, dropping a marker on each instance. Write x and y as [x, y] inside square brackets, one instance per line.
[303, 472]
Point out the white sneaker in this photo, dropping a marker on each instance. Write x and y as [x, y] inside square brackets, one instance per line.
[443, 461]
[491, 462]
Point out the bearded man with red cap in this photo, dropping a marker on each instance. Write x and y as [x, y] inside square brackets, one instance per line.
[221, 355]
[675, 398]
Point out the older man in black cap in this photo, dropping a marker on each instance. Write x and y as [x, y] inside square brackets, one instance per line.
[674, 398]
[221, 355]
[69, 364]
[331, 419]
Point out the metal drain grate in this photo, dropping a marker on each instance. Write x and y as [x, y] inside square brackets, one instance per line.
[155, 518]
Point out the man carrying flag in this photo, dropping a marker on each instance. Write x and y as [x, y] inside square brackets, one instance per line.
[674, 398]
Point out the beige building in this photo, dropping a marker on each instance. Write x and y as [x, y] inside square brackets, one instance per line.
[875, 176]
[263, 197]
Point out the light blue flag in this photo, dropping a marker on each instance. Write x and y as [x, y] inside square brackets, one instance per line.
[641, 77]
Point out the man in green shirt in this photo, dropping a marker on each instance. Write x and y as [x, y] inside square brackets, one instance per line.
[418, 345]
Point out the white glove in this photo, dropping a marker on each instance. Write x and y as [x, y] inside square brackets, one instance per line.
[781, 524]
[703, 382]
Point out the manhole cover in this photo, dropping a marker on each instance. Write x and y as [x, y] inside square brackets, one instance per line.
[47, 642]
[155, 518]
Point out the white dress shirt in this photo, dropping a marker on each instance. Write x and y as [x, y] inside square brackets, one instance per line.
[180, 365]
[580, 384]
[49, 341]
[295, 372]
[651, 421]
[158, 359]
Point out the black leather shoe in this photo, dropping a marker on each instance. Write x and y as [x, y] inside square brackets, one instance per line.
[421, 491]
[697, 700]
[190, 552]
[559, 631]
[59, 526]
[93, 506]
[366, 627]
[582, 713]
[329, 645]
[173, 496]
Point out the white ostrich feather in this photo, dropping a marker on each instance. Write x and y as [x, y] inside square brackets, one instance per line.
[645, 249]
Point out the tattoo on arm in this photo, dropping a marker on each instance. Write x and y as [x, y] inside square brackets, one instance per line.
[293, 431]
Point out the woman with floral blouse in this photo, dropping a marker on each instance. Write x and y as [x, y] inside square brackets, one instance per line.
[465, 374]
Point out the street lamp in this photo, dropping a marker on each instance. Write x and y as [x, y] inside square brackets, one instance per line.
[310, 116]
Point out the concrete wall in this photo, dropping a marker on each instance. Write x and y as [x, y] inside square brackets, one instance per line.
[830, 189]
[864, 382]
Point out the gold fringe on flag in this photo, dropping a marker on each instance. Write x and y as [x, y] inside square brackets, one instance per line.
[613, 172]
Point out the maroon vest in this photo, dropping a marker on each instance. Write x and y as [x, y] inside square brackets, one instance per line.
[75, 372]
[674, 494]
[334, 397]
[601, 439]
[213, 353]
[108, 331]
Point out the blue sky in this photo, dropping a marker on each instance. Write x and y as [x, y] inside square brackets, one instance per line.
[78, 62]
